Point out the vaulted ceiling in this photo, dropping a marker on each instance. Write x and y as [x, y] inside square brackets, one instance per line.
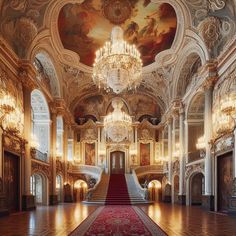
[61, 37]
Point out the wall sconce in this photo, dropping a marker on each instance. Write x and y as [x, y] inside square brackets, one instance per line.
[201, 143]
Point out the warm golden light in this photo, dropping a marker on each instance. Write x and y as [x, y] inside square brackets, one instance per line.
[34, 141]
[117, 65]
[117, 124]
[201, 144]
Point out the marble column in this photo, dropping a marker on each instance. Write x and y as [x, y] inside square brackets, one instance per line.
[169, 151]
[53, 200]
[182, 197]
[28, 201]
[208, 199]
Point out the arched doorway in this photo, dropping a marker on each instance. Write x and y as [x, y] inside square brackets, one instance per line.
[167, 193]
[38, 188]
[117, 162]
[154, 190]
[80, 190]
[176, 189]
[59, 188]
[196, 189]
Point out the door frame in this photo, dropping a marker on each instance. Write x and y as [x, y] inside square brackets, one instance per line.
[219, 155]
[123, 161]
[121, 149]
[19, 181]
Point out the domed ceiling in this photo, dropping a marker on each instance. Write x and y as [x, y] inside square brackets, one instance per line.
[85, 27]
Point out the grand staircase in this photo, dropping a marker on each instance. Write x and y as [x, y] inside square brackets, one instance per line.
[116, 189]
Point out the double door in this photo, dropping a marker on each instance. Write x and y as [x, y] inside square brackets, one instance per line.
[117, 162]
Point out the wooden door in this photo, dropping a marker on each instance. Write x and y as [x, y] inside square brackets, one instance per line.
[117, 162]
[11, 180]
[225, 180]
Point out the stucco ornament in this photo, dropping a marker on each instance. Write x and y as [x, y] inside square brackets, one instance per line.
[216, 5]
[210, 30]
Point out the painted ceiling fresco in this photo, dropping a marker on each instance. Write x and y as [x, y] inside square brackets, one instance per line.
[85, 27]
[95, 106]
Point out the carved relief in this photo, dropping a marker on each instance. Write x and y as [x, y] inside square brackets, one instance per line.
[224, 144]
[189, 170]
[59, 166]
[210, 29]
[175, 167]
[13, 144]
[45, 169]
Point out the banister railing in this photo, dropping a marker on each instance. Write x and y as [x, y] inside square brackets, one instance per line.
[90, 191]
[143, 191]
[38, 155]
[94, 171]
[142, 170]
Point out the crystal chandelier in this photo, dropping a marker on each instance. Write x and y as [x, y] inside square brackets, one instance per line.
[117, 124]
[118, 65]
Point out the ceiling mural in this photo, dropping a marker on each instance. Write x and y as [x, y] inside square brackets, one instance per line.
[85, 27]
[96, 106]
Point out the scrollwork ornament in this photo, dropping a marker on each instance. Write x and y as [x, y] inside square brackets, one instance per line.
[216, 5]
[210, 31]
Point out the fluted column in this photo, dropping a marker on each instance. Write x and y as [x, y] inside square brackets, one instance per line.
[27, 199]
[181, 158]
[169, 150]
[208, 199]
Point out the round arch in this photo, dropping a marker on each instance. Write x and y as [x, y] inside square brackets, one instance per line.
[40, 123]
[51, 71]
[80, 189]
[154, 190]
[39, 187]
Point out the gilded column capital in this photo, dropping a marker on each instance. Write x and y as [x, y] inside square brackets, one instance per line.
[27, 74]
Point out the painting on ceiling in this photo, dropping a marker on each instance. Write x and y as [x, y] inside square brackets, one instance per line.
[90, 154]
[145, 154]
[85, 27]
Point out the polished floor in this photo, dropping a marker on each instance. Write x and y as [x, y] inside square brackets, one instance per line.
[173, 219]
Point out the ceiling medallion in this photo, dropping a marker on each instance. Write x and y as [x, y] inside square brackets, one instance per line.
[117, 124]
[118, 65]
[117, 11]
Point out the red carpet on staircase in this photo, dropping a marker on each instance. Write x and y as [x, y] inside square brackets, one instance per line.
[117, 193]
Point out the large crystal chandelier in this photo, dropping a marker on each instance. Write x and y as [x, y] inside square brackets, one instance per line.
[117, 124]
[118, 65]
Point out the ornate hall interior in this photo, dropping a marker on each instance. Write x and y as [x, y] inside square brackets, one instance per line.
[118, 117]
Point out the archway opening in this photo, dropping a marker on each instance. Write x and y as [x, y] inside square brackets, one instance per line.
[38, 188]
[40, 125]
[80, 190]
[154, 190]
[197, 188]
[195, 126]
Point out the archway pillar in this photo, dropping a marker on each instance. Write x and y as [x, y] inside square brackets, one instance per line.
[208, 198]
[53, 194]
[27, 75]
[182, 196]
[169, 150]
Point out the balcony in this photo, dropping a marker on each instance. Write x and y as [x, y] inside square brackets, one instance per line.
[38, 155]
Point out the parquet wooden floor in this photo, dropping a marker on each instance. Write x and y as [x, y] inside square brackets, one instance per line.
[175, 220]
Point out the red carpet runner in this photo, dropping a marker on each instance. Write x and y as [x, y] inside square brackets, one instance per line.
[117, 193]
[120, 221]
